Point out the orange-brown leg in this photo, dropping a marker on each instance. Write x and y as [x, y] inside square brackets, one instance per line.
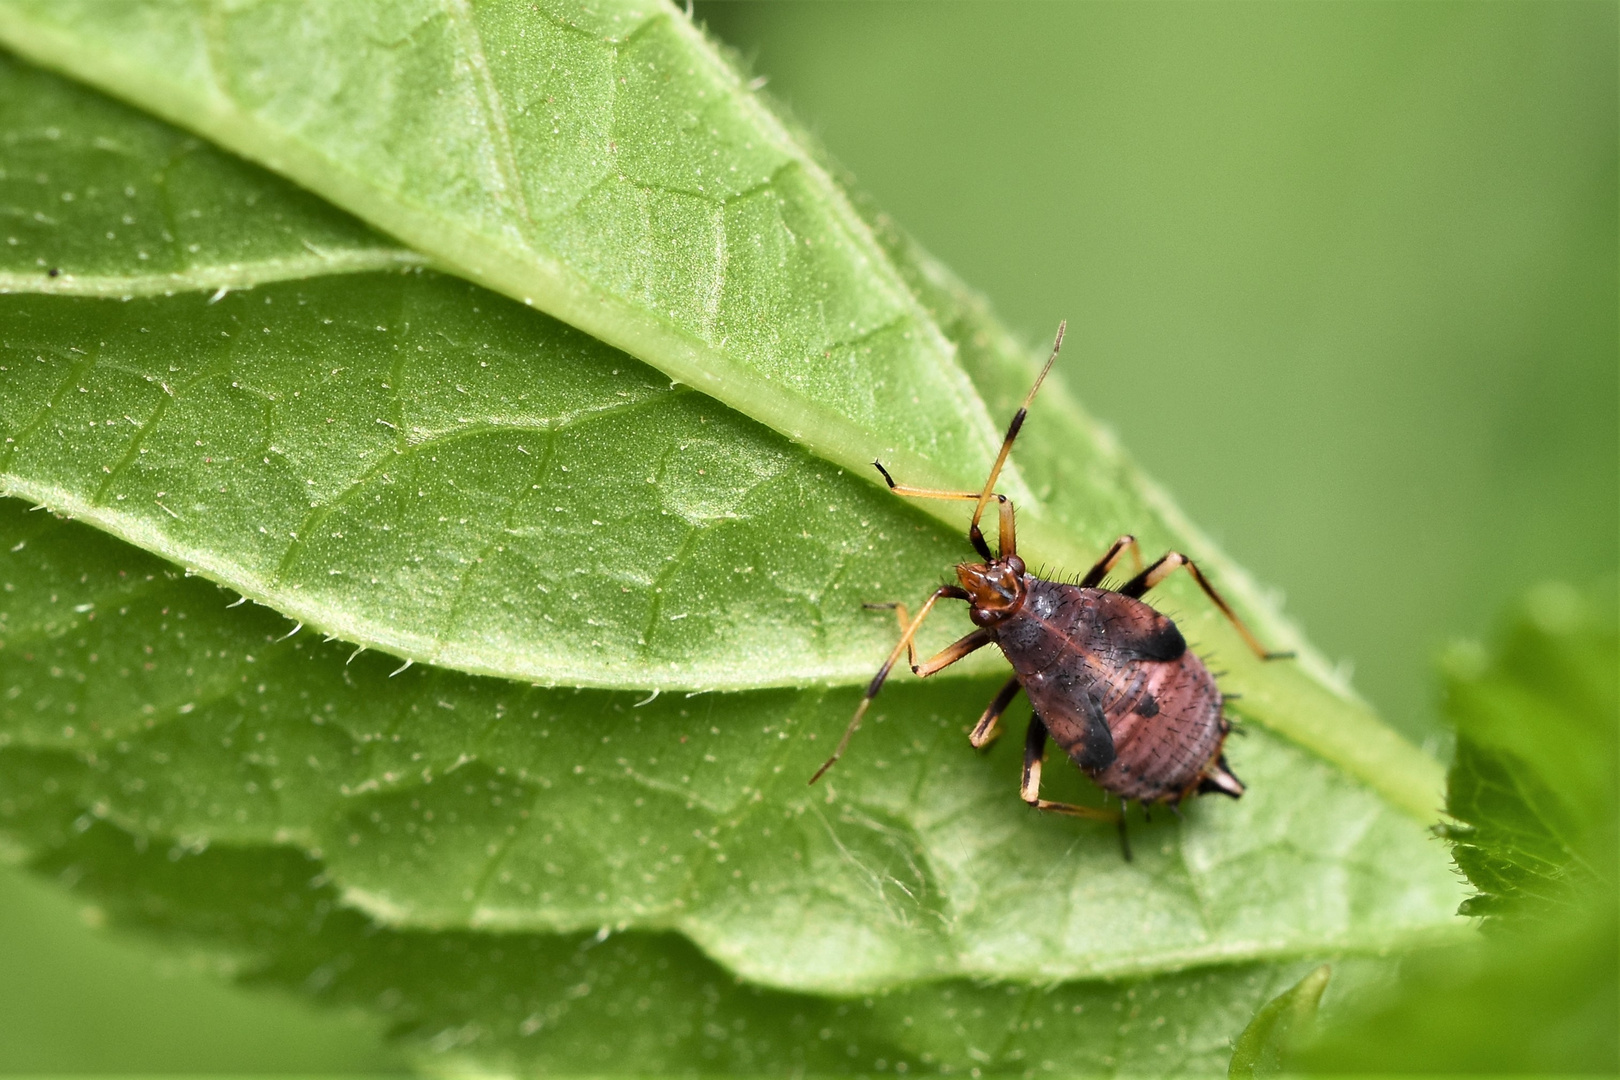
[954, 592]
[1174, 561]
[988, 729]
[1030, 788]
[1125, 543]
[953, 652]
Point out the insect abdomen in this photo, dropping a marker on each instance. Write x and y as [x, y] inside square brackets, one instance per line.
[1116, 687]
[1166, 731]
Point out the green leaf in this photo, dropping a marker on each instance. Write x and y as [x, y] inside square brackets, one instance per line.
[462, 814]
[601, 164]
[1281, 1022]
[634, 1003]
[440, 800]
[789, 287]
[409, 462]
[103, 201]
[1533, 788]
[1535, 794]
[318, 449]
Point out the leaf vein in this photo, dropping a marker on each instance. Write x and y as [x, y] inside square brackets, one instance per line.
[491, 105]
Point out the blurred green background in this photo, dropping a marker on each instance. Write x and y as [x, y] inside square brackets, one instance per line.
[1343, 277]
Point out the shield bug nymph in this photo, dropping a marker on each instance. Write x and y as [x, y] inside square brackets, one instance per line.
[1108, 677]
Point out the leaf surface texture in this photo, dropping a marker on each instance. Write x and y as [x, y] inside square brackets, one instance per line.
[249, 382]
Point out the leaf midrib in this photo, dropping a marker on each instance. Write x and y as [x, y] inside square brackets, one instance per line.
[1411, 779]
[212, 277]
[573, 300]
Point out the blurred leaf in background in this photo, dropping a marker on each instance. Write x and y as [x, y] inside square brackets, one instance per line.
[1534, 795]
[87, 1001]
[1532, 789]
[1282, 1024]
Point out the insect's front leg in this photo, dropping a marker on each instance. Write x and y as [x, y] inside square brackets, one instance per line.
[1124, 544]
[954, 592]
[952, 653]
[988, 729]
[947, 656]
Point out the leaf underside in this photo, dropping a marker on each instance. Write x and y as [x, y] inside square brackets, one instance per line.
[229, 372]
[634, 1002]
[393, 476]
[440, 800]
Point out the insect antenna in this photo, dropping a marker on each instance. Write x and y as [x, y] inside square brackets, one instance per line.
[1012, 433]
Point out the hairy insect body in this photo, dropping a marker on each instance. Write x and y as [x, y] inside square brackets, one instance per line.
[1119, 691]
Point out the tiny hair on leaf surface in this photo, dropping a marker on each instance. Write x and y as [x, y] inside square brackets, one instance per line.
[252, 384]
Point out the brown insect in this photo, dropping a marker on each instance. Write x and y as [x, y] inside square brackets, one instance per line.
[1109, 678]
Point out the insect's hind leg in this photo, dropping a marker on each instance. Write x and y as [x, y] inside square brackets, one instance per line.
[1030, 788]
[1174, 561]
[988, 729]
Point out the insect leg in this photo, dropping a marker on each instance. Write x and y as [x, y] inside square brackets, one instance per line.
[952, 653]
[1174, 561]
[989, 726]
[1030, 788]
[954, 592]
[1008, 540]
[947, 656]
[1125, 543]
[900, 614]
